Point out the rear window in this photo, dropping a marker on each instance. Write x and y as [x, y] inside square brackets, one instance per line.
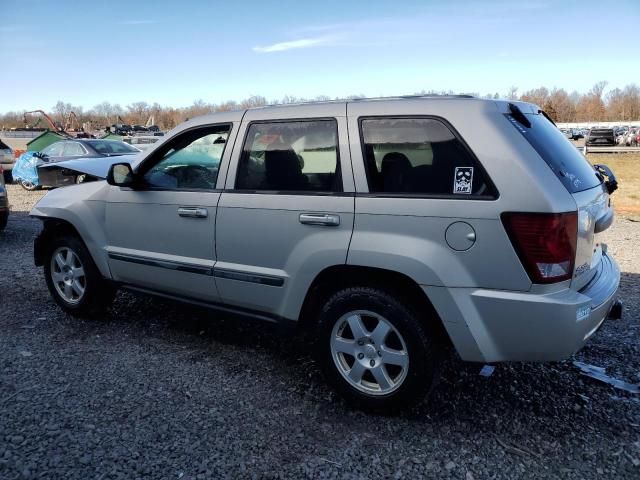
[566, 161]
[601, 131]
[107, 147]
[3, 146]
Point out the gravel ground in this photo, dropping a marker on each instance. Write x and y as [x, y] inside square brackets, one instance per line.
[160, 390]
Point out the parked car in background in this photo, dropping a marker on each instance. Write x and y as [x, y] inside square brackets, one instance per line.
[143, 142]
[601, 136]
[137, 129]
[7, 160]
[390, 229]
[4, 202]
[54, 174]
[45, 169]
[631, 137]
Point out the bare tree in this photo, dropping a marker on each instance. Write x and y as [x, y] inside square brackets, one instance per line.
[61, 111]
[512, 94]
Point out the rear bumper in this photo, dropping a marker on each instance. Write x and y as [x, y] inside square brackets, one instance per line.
[496, 325]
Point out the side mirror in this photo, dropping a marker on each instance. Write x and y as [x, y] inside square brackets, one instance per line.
[120, 175]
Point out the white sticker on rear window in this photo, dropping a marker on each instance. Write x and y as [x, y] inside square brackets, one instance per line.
[463, 180]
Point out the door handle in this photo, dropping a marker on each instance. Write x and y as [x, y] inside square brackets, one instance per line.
[325, 219]
[193, 212]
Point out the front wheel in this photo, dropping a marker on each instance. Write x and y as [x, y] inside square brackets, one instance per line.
[74, 281]
[376, 351]
[29, 186]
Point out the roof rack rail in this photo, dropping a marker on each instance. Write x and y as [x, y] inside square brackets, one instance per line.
[363, 99]
[408, 97]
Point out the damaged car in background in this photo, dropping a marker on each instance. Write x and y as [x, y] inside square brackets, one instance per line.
[55, 166]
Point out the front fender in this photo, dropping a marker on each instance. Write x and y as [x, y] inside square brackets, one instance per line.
[82, 207]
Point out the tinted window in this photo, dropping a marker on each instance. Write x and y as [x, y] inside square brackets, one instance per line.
[72, 149]
[569, 165]
[190, 161]
[110, 147]
[419, 156]
[291, 156]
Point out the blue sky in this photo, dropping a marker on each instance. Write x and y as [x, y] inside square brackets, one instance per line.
[174, 52]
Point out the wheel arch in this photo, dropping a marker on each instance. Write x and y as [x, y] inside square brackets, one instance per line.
[336, 277]
[53, 227]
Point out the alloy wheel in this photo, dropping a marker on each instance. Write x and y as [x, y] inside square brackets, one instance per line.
[369, 352]
[67, 274]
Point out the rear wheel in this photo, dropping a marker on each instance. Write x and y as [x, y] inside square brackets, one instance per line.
[4, 218]
[73, 279]
[376, 351]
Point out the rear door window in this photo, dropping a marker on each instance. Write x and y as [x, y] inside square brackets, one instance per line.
[291, 156]
[54, 150]
[566, 161]
[73, 149]
[420, 156]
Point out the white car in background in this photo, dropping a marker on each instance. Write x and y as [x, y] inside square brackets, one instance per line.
[7, 160]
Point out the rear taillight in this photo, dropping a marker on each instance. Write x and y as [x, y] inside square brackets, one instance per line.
[545, 243]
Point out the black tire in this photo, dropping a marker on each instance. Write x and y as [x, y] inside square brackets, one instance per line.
[4, 218]
[98, 293]
[8, 178]
[425, 352]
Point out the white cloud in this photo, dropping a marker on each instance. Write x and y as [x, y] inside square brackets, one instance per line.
[290, 45]
[136, 22]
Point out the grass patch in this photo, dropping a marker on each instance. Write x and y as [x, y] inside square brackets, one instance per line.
[627, 170]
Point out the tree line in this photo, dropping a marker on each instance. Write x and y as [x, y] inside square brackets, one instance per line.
[593, 106]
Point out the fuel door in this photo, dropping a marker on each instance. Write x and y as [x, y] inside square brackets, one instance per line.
[460, 236]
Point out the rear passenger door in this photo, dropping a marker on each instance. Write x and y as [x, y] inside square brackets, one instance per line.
[287, 209]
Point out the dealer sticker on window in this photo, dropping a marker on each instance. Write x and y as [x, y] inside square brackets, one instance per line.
[463, 180]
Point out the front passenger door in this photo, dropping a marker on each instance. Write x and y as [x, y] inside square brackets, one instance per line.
[161, 235]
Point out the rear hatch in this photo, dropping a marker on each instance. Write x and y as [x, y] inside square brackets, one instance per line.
[601, 135]
[587, 187]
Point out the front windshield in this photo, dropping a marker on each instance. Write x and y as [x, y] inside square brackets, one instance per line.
[111, 147]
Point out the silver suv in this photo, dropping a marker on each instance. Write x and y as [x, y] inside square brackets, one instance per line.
[389, 228]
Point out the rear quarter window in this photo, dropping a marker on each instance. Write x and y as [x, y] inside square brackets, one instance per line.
[566, 161]
[420, 156]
